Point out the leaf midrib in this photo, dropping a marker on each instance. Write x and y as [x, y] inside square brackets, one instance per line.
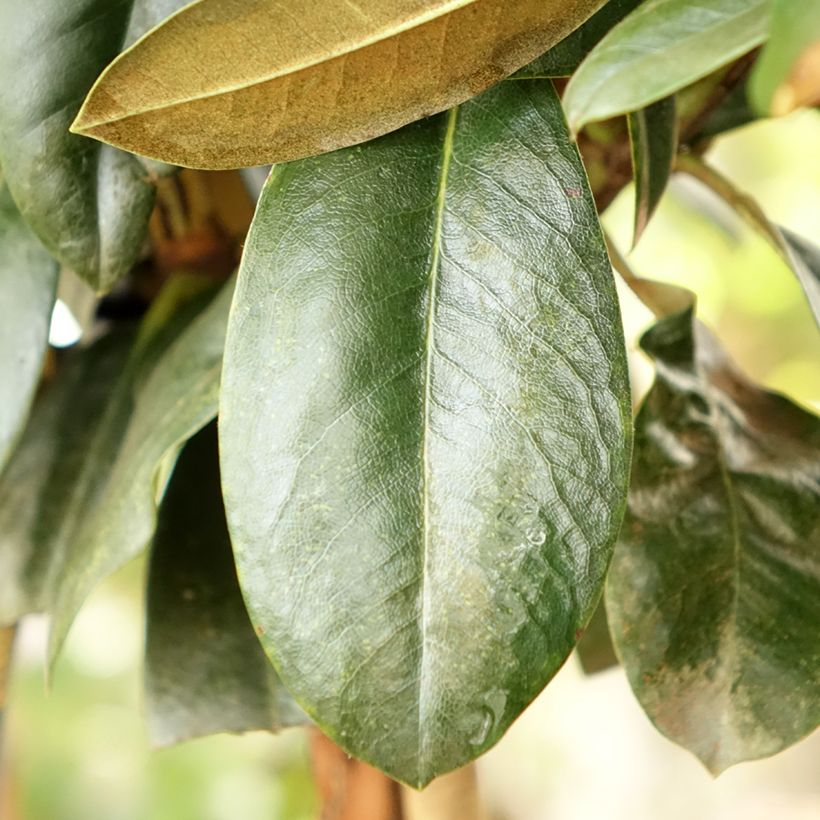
[435, 264]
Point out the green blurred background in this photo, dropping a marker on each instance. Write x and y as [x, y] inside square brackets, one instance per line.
[584, 749]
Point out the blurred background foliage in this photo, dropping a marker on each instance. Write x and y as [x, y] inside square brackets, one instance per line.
[584, 749]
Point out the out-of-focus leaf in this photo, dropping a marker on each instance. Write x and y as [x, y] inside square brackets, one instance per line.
[787, 75]
[734, 111]
[36, 486]
[205, 669]
[663, 46]
[425, 424]
[564, 57]
[802, 256]
[653, 133]
[89, 205]
[227, 83]
[595, 650]
[714, 593]
[78, 499]
[28, 281]
[166, 405]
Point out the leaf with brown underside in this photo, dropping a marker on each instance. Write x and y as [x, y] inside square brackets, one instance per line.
[232, 83]
[713, 595]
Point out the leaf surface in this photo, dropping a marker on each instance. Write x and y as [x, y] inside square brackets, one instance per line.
[88, 204]
[205, 669]
[653, 134]
[663, 46]
[28, 283]
[564, 57]
[787, 75]
[425, 423]
[714, 593]
[227, 83]
[78, 500]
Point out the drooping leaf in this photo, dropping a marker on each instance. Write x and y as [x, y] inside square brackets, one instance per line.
[89, 205]
[78, 499]
[787, 75]
[226, 83]
[205, 670]
[166, 405]
[36, 486]
[714, 593]
[425, 423]
[653, 133]
[564, 57]
[28, 282]
[663, 46]
[802, 256]
[595, 650]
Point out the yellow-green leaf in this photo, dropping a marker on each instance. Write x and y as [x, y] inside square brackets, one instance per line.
[228, 83]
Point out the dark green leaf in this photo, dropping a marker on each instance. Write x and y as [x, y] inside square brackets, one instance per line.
[425, 425]
[661, 47]
[787, 75]
[28, 282]
[166, 395]
[803, 258]
[714, 592]
[205, 670]
[653, 133]
[562, 59]
[595, 650]
[78, 499]
[88, 204]
[36, 487]
[734, 111]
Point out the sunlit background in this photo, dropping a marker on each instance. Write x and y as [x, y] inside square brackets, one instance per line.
[584, 749]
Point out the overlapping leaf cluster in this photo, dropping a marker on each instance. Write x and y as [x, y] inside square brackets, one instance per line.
[424, 414]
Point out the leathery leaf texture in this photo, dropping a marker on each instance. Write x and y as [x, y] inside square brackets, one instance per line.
[89, 204]
[205, 670]
[425, 427]
[230, 83]
[714, 593]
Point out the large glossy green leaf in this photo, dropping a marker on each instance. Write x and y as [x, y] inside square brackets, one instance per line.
[205, 669]
[714, 593]
[425, 425]
[28, 282]
[562, 59]
[89, 205]
[661, 47]
[228, 83]
[787, 75]
[78, 499]
[653, 133]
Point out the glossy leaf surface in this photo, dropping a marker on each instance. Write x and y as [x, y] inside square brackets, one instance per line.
[653, 133]
[28, 282]
[205, 670]
[714, 593]
[787, 75]
[425, 424]
[227, 83]
[564, 57]
[661, 47]
[89, 205]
